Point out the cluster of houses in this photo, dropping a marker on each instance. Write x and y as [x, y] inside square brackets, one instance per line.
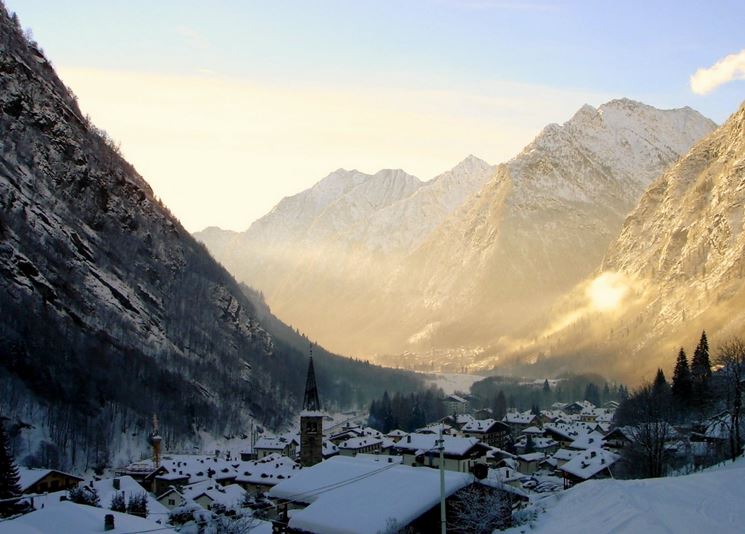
[354, 478]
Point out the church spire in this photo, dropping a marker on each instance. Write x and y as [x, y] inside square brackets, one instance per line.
[311, 402]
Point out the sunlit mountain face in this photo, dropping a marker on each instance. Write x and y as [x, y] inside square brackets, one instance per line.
[474, 259]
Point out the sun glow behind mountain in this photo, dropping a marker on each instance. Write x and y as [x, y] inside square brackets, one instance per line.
[607, 291]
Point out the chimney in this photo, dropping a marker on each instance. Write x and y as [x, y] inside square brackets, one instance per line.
[408, 438]
[117, 484]
[108, 522]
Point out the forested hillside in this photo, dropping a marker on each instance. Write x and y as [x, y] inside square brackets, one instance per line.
[111, 311]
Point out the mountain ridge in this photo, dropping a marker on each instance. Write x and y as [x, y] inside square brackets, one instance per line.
[112, 311]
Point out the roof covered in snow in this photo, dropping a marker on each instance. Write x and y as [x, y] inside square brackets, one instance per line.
[352, 495]
[268, 471]
[79, 518]
[519, 418]
[28, 477]
[106, 491]
[229, 496]
[277, 443]
[420, 443]
[360, 442]
[590, 463]
[477, 426]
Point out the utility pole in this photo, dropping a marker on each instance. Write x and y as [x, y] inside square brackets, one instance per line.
[443, 519]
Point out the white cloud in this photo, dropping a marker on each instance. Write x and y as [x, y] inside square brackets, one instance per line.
[725, 70]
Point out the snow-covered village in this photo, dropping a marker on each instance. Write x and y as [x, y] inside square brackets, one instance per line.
[472, 470]
[372, 267]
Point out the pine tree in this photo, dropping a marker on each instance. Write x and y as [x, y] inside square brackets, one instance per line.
[701, 372]
[682, 384]
[660, 385]
[500, 406]
[118, 503]
[592, 394]
[84, 495]
[137, 504]
[606, 392]
[9, 478]
[529, 444]
[546, 387]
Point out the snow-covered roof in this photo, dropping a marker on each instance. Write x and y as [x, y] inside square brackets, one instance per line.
[718, 427]
[396, 433]
[28, 477]
[420, 443]
[519, 418]
[106, 491]
[229, 496]
[269, 470]
[589, 440]
[434, 428]
[205, 467]
[496, 452]
[569, 431]
[329, 449]
[579, 405]
[553, 414]
[564, 455]
[71, 517]
[455, 398]
[533, 430]
[277, 443]
[589, 463]
[504, 486]
[531, 457]
[539, 443]
[504, 474]
[477, 426]
[381, 458]
[351, 495]
[360, 442]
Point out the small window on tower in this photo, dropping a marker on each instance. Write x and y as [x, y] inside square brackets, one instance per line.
[312, 427]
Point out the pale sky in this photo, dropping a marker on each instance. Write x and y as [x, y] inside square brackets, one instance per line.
[225, 107]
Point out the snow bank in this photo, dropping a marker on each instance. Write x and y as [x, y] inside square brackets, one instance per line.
[711, 501]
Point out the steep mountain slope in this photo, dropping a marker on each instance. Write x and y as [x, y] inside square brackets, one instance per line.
[111, 311]
[544, 221]
[321, 256]
[676, 268]
[684, 244]
[442, 268]
[404, 225]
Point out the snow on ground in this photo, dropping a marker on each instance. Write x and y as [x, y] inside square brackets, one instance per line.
[710, 501]
[452, 382]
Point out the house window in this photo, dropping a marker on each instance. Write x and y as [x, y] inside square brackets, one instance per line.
[172, 502]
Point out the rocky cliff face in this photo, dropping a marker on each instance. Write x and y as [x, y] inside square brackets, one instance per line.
[685, 241]
[545, 220]
[472, 255]
[676, 268]
[111, 311]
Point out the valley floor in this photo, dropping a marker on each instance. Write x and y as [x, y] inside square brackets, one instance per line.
[710, 501]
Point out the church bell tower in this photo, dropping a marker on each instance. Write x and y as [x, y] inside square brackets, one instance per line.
[311, 421]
